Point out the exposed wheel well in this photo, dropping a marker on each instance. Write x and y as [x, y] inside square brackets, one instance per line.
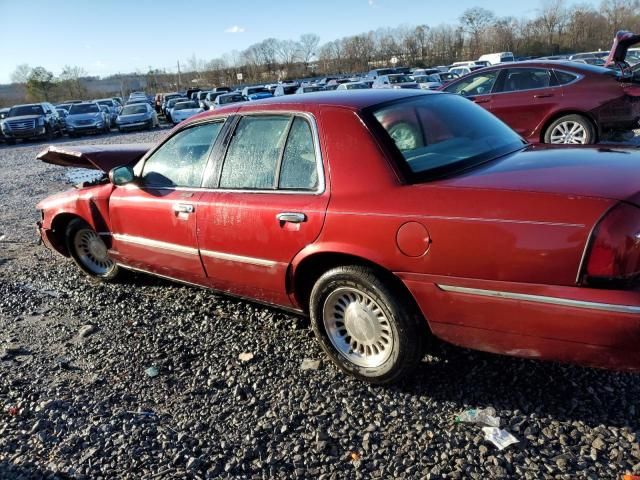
[58, 230]
[312, 268]
[558, 115]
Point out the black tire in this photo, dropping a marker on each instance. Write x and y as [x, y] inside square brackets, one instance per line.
[76, 228]
[49, 133]
[590, 136]
[406, 328]
[11, 141]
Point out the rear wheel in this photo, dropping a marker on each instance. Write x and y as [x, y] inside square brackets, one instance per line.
[366, 326]
[89, 251]
[571, 129]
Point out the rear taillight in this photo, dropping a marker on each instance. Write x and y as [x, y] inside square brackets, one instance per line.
[613, 257]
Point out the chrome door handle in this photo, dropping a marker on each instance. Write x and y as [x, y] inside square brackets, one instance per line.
[183, 208]
[291, 217]
[544, 95]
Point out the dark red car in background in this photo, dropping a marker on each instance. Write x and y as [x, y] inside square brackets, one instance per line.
[388, 216]
[555, 101]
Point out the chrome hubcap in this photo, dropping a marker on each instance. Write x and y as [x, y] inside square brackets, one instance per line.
[569, 132]
[92, 252]
[357, 327]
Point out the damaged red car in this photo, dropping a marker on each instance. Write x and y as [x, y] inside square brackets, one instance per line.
[559, 102]
[382, 216]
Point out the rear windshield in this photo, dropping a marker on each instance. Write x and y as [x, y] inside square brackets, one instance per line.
[80, 108]
[185, 105]
[230, 99]
[399, 79]
[134, 109]
[26, 110]
[432, 140]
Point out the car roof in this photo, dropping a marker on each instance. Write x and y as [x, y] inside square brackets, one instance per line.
[354, 100]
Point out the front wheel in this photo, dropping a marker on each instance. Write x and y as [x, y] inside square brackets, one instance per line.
[571, 129]
[89, 251]
[366, 325]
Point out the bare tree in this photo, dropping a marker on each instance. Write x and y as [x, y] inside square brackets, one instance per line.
[553, 16]
[475, 21]
[21, 73]
[307, 48]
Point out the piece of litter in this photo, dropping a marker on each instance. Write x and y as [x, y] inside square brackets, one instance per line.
[245, 356]
[479, 416]
[152, 372]
[500, 438]
[310, 364]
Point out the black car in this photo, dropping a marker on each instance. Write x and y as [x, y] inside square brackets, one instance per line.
[35, 120]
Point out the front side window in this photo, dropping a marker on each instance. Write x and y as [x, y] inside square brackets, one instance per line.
[478, 84]
[299, 168]
[432, 140]
[253, 153]
[180, 162]
[527, 79]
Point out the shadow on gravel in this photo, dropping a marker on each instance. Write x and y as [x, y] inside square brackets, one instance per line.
[560, 391]
[9, 471]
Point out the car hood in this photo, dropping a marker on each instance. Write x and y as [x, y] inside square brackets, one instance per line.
[21, 118]
[621, 44]
[602, 172]
[98, 157]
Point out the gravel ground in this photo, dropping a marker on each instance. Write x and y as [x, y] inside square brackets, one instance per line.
[142, 379]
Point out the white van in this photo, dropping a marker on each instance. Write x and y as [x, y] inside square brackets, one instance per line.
[495, 58]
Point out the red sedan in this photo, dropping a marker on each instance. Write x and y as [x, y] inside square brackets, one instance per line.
[388, 216]
[555, 101]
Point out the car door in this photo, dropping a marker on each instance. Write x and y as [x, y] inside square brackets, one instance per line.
[524, 98]
[267, 202]
[476, 87]
[154, 219]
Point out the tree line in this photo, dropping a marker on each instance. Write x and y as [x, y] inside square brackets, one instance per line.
[556, 28]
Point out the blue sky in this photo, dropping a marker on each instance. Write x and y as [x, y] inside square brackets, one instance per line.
[111, 36]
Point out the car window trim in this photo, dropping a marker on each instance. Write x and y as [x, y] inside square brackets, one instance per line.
[505, 71]
[214, 185]
[578, 76]
[139, 166]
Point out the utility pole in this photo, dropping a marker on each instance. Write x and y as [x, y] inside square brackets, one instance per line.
[179, 79]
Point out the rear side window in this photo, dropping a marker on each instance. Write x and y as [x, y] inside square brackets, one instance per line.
[565, 77]
[299, 167]
[180, 161]
[254, 151]
[527, 79]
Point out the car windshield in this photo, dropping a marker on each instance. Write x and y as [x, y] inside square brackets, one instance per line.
[230, 99]
[426, 78]
[80, 108]
[134, 109]
[26, 110]
[252, 91]
[399, 79]
[185, 105]
[356, 86]
[107, 103]
[432, 140]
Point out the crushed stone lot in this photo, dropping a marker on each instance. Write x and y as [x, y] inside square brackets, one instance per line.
[145, 379]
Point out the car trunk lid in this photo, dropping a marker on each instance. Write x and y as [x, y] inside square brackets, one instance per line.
[621, 44]
[98, 157]
[603, 172]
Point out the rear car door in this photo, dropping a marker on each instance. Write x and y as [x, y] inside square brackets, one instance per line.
[154, 220]
[524, 97]
[267, 202]
[476, 87]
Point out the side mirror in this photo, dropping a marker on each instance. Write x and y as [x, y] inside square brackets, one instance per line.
[121, 175]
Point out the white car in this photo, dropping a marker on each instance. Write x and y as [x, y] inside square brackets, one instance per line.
[428, 82]
[352, 86]
[183, 110]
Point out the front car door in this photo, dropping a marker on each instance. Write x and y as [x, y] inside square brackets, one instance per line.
[154, 220]
[267, 202]
[476, 87]
[524, 97]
